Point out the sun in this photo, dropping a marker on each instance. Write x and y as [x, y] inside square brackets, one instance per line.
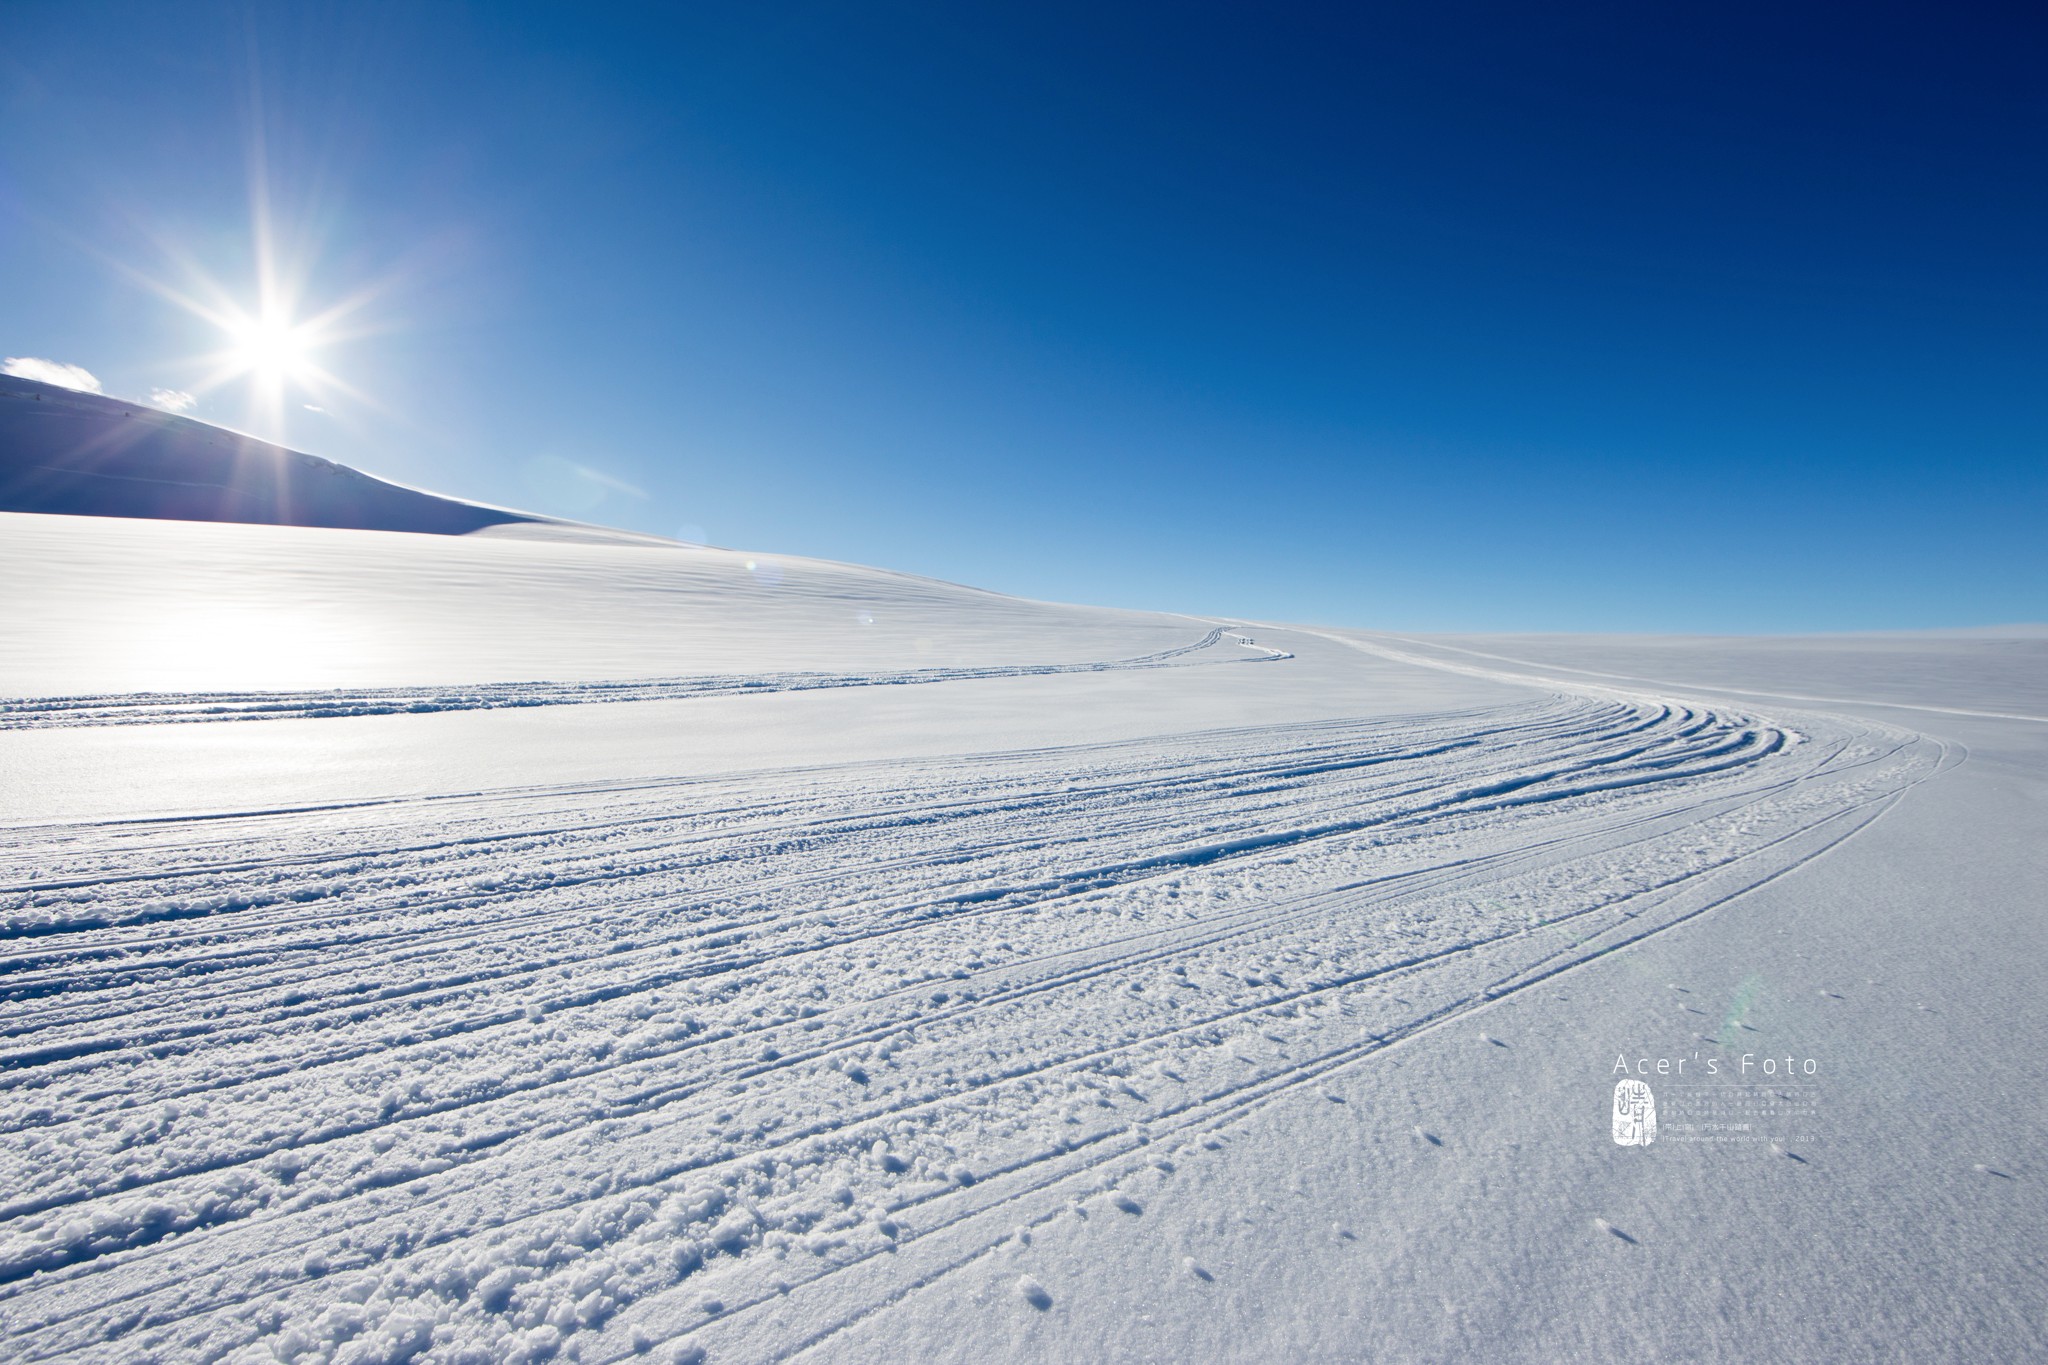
[271, 348]
[276, 334]
[275, 351]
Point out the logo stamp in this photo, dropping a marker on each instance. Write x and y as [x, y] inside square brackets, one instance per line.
[1723, 1099]
[1635, 1114]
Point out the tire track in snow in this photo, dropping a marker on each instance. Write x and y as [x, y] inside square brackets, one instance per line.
[1084, 922]
[179, 708]
[1055, 1190]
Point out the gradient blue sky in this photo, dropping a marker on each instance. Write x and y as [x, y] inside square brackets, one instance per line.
[1436, 317]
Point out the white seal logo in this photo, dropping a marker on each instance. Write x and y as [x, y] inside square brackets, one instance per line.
[1635, 1114]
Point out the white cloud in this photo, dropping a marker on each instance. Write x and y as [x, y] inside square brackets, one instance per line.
[172, 400]
[51, 372]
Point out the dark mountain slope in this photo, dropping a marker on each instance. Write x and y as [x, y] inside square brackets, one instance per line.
[83, 454]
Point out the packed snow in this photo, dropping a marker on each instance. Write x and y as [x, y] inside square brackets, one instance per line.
[507, 948]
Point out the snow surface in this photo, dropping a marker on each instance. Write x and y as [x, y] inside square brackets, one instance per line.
[488, 948]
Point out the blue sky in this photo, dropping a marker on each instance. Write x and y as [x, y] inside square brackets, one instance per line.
[1442, 317]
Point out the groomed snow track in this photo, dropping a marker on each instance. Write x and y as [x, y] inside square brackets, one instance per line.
[730, 1064]
[184, 708]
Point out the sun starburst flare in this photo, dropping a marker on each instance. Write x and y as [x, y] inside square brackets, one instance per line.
[268, 336]
[271, 346]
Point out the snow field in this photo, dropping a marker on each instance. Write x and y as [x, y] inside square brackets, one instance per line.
[723, 1065]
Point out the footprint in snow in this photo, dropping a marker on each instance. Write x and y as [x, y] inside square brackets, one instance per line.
[1033, 1293]
[1127, 1204]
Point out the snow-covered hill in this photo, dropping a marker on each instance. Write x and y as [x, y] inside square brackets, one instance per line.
[85, 454]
